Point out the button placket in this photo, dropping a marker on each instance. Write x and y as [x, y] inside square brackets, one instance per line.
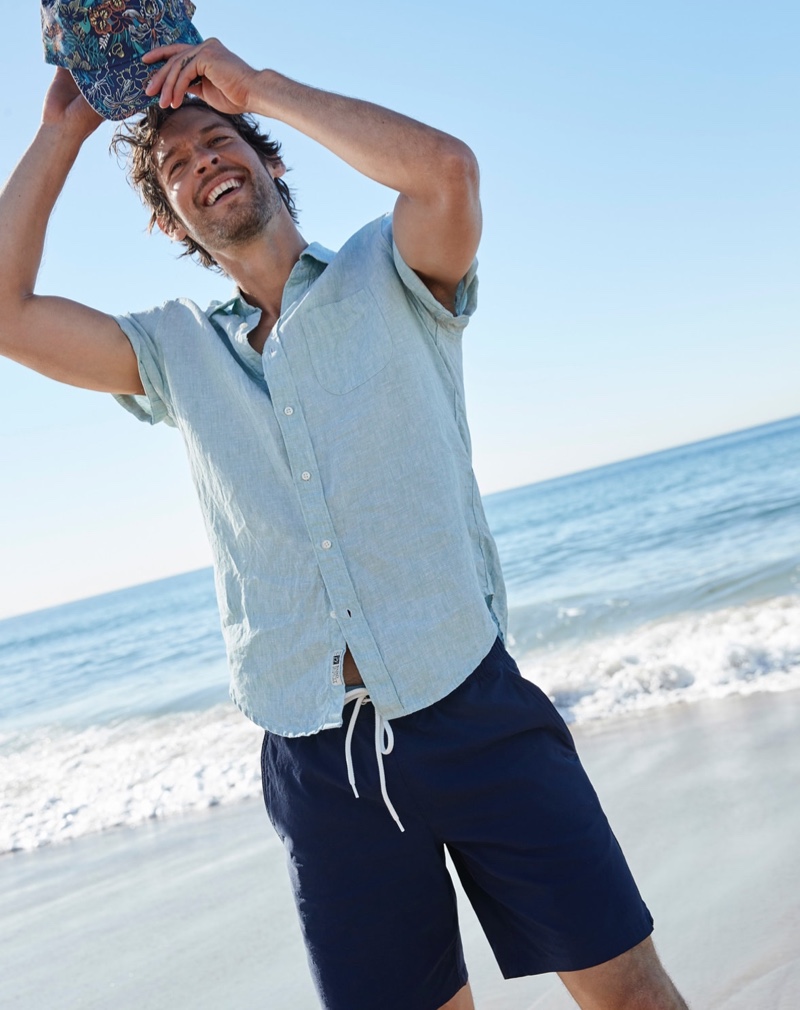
[313, 503]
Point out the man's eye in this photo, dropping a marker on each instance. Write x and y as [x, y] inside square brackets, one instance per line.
[174, 167]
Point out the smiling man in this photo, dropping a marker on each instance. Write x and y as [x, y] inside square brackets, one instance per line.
[322, 409]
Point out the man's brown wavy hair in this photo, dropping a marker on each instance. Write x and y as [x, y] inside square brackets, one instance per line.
[136, 141]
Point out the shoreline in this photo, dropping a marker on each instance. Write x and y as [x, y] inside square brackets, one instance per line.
[196, 910]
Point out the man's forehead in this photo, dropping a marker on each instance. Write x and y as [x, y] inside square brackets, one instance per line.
[185, 124]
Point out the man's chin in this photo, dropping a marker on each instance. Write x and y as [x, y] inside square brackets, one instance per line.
[233, 234]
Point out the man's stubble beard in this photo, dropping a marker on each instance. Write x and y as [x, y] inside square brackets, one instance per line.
[245, 221]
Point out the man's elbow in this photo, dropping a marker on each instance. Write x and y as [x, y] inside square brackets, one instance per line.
[459, 174]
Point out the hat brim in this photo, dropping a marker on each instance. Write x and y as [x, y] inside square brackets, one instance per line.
[117, 90]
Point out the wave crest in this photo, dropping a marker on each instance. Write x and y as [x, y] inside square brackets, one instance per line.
[737, 650]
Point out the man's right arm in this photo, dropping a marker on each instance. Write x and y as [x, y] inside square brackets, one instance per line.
[58, 337]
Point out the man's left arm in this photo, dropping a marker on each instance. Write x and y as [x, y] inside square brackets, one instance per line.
[437, 218]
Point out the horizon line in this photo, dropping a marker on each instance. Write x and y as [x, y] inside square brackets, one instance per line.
[492, 494]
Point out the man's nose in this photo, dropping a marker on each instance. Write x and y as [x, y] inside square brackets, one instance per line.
[205, 160]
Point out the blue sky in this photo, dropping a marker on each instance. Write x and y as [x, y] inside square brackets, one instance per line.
[638, 268]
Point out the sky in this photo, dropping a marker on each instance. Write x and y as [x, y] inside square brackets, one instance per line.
[638, 269]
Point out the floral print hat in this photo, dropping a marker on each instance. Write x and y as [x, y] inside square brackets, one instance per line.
[101, 43]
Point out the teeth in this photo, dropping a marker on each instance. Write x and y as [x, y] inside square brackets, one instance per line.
[223, 187]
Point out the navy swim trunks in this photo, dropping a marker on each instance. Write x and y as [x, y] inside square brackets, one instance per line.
[489, 773]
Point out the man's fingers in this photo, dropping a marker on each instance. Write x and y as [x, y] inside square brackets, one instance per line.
[165, 52]
[185, 72]
[179, 74]
[170, 56]
[166, 81]
[208, 70]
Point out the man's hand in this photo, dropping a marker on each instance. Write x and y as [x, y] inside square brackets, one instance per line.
[65, 106]
[209, 70]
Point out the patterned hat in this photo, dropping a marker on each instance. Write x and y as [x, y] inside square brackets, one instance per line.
[101, 42]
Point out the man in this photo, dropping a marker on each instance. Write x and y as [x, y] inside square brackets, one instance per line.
[322, 409]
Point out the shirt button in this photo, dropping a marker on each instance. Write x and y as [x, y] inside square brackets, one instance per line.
[305, 475]
[326, 545]
[333, 614]
[288, 411]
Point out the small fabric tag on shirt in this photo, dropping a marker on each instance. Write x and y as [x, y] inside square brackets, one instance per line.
[336, 668]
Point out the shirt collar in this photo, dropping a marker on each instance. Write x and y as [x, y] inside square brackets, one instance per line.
[313, 260]
[317, 252]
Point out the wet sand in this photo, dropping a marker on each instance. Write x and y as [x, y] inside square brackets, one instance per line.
[196, 912]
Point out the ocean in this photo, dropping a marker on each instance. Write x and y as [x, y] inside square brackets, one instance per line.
[662, 580]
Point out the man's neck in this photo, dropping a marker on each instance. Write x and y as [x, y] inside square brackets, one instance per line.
[261, 269]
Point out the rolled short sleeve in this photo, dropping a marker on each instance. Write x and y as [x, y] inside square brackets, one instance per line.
[466, 300]
[155, 405]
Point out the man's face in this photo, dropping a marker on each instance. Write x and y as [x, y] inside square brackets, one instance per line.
[218, 187]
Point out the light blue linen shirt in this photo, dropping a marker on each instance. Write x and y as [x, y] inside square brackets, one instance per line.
[335, 479]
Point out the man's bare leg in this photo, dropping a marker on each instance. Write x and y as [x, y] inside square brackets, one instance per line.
[635, 980]
[461, 1001]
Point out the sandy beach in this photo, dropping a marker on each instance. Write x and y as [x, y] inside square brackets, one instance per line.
[196, 912]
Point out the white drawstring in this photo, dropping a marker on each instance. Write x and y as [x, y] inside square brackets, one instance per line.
[384, 743]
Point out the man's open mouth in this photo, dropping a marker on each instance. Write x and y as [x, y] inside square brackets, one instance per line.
[222, 190]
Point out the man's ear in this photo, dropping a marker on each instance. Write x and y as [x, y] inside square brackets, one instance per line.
[175, 232]
[276, 168]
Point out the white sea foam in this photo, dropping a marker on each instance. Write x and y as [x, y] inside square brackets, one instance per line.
[61, 785]
[738, 650]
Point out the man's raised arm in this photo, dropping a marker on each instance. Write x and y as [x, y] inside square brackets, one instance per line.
[437, 220]
[55, 336]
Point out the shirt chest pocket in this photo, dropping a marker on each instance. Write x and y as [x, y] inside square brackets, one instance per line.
[348, 341]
